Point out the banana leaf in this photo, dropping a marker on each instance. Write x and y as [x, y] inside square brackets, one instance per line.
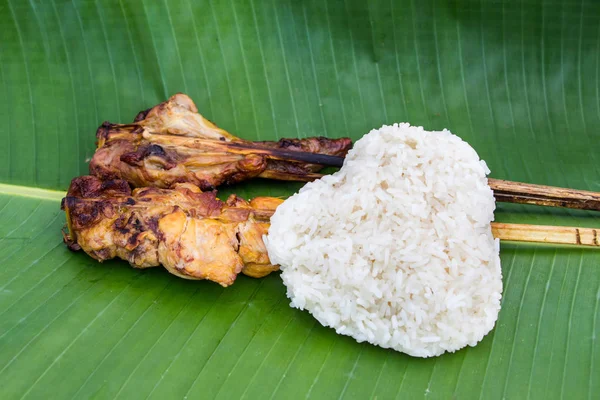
[519, 80]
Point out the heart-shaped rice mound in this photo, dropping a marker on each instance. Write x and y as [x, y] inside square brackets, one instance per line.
[395, 248]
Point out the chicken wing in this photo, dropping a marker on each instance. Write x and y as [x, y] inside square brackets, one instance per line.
[172, 143]
[193, 234]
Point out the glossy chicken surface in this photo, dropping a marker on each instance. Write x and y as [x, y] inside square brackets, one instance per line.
[193, 234]
[172, 143]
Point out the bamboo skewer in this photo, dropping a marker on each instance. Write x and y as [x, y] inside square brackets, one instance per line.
[302, 156]
[546, 234]
[527, 193]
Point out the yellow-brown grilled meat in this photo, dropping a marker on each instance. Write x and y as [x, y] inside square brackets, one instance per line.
[191, 233]
[172, 143]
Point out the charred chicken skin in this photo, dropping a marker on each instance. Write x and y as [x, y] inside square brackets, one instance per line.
[193, 234]
[172, 143]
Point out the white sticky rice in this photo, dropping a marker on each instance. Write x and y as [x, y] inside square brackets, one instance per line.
[396, 248]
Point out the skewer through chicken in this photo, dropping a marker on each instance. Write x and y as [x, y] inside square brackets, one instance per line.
[172, 143]
[194, 235]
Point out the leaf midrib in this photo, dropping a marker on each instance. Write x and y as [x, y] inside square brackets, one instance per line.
[31, 192]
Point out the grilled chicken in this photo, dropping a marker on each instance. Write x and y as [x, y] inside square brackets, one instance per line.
[193, 234]
[172, 143]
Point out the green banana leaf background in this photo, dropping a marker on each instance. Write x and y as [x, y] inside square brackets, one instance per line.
[518, 80]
